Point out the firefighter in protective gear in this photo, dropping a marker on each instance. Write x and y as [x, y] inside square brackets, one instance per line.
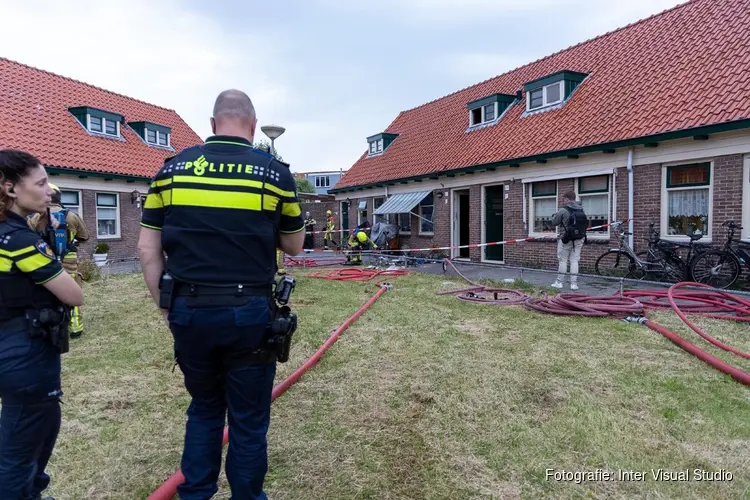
[328, 236]
[76, 231]
[357, 241]
[309, 229]
[280, 262]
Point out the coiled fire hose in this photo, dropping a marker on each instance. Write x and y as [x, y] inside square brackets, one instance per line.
[356, 274]
[711, 303]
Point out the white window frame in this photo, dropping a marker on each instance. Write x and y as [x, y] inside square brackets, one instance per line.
[385, 218]
[664, 200]
[319, 181]
[579, 196]
[169, 138]
[419, 231]
[118, 220]
[530, 187]
[104, 126]
[545, 101]
[399, 218]
[379, 148]
[483, 119]
[80, 200]
[746, 198]
[360, 210]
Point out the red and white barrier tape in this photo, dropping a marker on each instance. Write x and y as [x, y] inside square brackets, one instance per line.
[480, 245]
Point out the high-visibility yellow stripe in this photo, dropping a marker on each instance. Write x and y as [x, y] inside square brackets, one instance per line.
[153, 200]
[162, 182]
[30, 264]
[222, 199]
[16, 253]
[150, 226]
[5, 265]
[291, 209]
[221, 181]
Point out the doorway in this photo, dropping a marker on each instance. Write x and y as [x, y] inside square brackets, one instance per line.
[493, 222]
[344, 217]
[461, 218]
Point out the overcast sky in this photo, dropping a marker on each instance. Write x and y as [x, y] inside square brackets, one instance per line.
[331, 71]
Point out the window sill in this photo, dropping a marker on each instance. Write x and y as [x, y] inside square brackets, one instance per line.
[404, 233]
[685, 239]
[109, 237]
[426, 234]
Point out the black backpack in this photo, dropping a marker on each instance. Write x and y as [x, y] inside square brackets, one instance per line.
[576, 226]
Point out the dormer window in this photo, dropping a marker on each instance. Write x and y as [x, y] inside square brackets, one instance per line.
[379, 143]
[551, 90]
[488, 110]
[98, 121]
[153, 134]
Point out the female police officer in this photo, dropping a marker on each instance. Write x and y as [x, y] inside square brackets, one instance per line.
[33, 286]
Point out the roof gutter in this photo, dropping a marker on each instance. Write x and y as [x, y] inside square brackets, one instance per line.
[695, 132]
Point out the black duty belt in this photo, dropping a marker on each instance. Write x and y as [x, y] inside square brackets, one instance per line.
[195, 290]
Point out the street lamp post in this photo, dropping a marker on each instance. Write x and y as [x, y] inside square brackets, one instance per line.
[273, 132]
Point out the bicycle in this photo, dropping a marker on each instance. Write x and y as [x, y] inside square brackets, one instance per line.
[721, 267]
[657, 263]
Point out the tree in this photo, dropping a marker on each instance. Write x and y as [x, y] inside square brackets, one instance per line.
[304, 185]
[264, 145]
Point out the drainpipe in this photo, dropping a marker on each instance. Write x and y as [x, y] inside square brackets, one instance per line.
[630, 196]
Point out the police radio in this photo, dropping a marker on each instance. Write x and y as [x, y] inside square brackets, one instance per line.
[284, 323]
[61, 234]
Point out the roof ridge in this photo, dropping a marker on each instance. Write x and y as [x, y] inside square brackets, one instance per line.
[571, 47]
[86, 84]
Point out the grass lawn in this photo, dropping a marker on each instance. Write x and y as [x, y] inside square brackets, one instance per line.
[425, 396]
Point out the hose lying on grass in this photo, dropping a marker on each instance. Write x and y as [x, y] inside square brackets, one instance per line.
[357, 274]
[711, 303]
[481, 294]
[305, 262]
[169, 488]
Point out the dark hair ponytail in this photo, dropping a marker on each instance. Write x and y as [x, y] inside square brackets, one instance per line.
[14, 165]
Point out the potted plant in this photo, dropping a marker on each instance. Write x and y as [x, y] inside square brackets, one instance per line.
[100, 254]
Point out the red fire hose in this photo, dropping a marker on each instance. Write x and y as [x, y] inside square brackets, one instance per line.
[709, 303]
[169, 489]
[356, 274]
[304, 262]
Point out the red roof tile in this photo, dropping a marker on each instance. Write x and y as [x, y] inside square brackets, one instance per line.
[34, 117]
[683, 68]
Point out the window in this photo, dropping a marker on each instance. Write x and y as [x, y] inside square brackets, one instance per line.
[482, 114]
[593, 192]
[107, 215]
[404, 223]
[72, 201]
[376, 202]
[688, 194]
[361, 211]
[157, 137]
[543, 207]
[426, 210]
[322, 181]
[545, 96]
[102, 125]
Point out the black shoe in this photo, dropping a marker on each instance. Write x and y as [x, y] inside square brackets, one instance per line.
[73, 335]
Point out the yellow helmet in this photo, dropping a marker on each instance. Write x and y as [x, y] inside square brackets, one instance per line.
[329, 212]
[361, 236]
[55, 188]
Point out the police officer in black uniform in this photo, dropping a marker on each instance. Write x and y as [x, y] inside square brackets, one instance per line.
[219, 211]
[34, 292]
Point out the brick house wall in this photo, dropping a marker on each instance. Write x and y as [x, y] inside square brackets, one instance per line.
[318, 212]
[125, 246]
[647, 199]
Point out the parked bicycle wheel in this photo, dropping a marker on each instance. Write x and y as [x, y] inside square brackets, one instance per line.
[716, 268]
[663, 267]
[619, 264]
